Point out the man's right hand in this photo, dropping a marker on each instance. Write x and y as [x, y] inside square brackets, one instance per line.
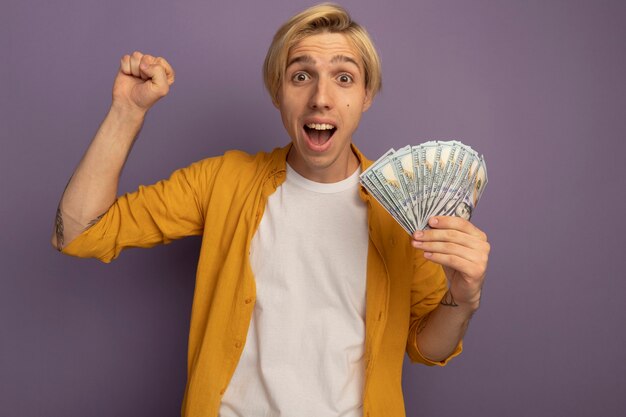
[141, 81]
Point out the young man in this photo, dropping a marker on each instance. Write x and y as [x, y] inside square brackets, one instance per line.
[308, 293]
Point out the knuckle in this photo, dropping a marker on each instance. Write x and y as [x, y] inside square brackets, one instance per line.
[477, 272]
[432, 247]
[482, 267]
[483, 263]
[450, 234]
[456, 222]
[484, 258]
[458, 264]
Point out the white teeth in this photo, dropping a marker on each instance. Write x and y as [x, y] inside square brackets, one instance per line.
[320, 126]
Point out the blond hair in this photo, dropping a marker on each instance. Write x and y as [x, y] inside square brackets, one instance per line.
[325, 17]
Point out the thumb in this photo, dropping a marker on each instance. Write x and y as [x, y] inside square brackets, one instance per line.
[157, 77]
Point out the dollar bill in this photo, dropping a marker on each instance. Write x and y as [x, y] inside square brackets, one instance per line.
[374, 182]
[387, 177]
[402, 164]
[420, 181]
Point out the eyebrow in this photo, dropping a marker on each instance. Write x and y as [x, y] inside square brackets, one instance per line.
[343, 58]
[307, 59]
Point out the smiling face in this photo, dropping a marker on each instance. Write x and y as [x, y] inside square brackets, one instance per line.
[321, 101]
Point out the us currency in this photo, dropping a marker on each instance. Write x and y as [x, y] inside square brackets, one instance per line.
[427, 160]
[402, 163]
[391, 183]
[433, 178]
[463, 206]
[443, 164]
[453, 170]
[431, 155]
[460, 190]
[456, 178]
[373, 183]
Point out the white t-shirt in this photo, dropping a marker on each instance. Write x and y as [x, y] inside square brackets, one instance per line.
[304, 350]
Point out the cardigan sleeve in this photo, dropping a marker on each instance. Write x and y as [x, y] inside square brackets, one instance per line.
[154, 214]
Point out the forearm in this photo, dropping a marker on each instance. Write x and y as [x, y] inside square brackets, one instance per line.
[440, 332]
[92, 188]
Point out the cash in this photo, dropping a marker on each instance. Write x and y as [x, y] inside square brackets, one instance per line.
[436, 178]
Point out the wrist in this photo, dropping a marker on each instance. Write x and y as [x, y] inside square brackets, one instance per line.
[127, 113]
[460, 305]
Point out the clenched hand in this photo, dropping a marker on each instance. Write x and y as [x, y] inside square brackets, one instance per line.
[141, 81]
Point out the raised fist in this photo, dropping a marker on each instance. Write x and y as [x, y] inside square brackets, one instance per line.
[141, 81]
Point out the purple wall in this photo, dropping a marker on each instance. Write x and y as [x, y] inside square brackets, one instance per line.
[537, 86]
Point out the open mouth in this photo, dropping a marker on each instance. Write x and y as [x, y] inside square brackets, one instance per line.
[319, 133]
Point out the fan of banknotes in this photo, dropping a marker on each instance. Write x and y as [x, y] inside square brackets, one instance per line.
[437, 178]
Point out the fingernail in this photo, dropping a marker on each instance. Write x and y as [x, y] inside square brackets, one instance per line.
[427, 254]
[433, 221]
[417, 234]
[417, 243]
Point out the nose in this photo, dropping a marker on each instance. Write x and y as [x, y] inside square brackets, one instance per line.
[321, 95]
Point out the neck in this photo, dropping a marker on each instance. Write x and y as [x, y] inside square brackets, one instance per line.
[336, 171]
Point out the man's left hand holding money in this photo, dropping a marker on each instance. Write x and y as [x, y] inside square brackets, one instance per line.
[463, 251]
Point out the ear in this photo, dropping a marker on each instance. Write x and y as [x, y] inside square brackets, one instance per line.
[276, 100]
[367, 101]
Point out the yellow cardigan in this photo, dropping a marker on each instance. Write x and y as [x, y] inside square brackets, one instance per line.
[223, 199]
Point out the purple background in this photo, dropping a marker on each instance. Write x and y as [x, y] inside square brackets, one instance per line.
[537, 86]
